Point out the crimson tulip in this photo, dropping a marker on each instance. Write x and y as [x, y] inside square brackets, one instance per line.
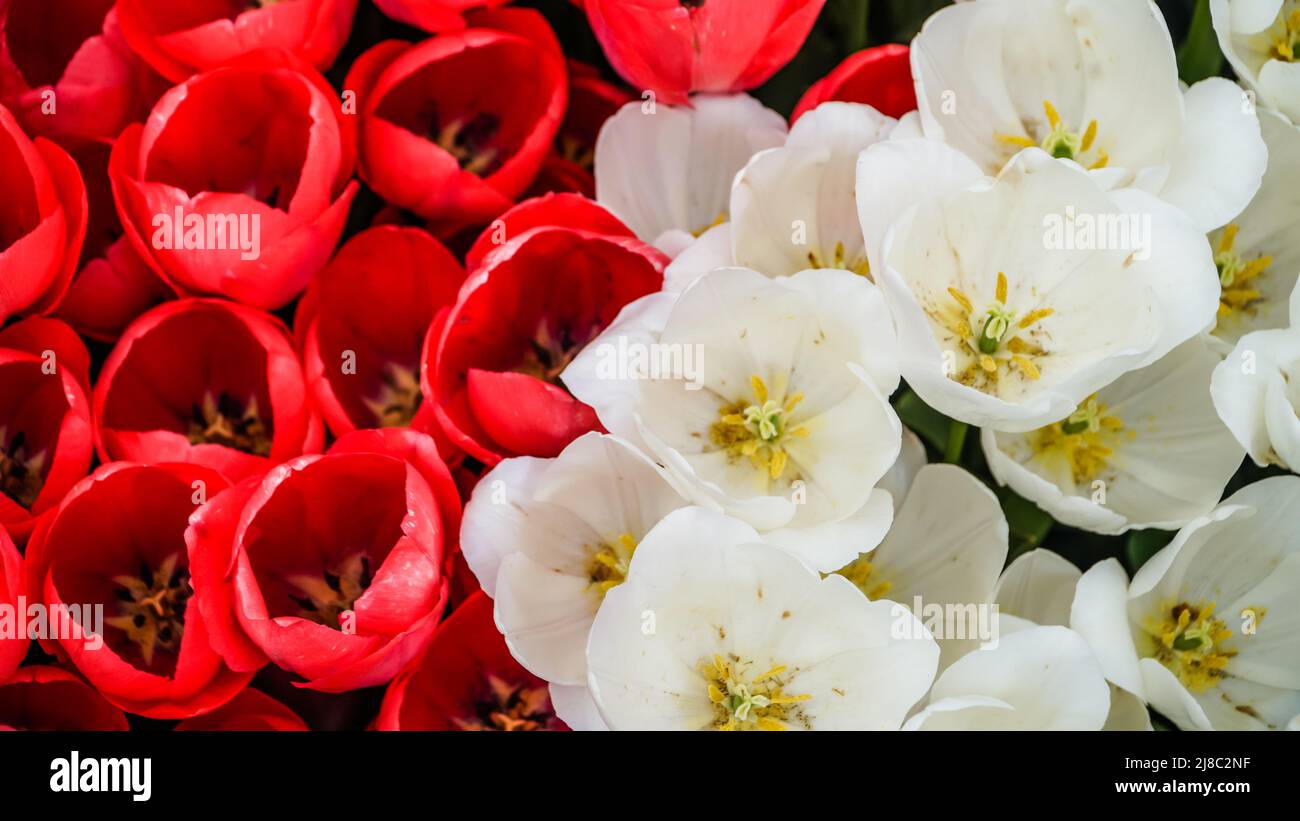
[67, 72]
[47, 698]
[880, 77]
[361, 327]
[209, 382]
[180, 39]
[468, 681]
[239, 182]
[113, 286]
[530, 306]
[46, 430]
[250, 710]
[674, 47]
[333, 567]
[42, 220]
[151, 655]
[13, 648]
[454, 128]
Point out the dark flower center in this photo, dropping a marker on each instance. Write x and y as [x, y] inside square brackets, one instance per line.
[509, 708]
[20, 471]
[220, 420]
[469, 140]
[398, 398]
[326, 597]
[152, 606]
[549, 352]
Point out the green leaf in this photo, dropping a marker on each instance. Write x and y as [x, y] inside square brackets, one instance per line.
[907, 17]
[1029, 524]
[956, 442]
[1142, 545]
[1199, 56]
[924, 420]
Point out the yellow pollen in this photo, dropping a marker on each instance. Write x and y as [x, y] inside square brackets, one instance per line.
[608, 565]
[866, 578]
[744, 703]
[1053, 119]
[1189, 642]
[1237, 291]
[1085, 441]
[962, 300]
[1059, 140]
[1287, 42]
[995, 340]
[759, 431]
[839, 259]
[718, 220]
[152, 607]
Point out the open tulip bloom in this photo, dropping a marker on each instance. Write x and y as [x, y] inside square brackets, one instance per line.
[602, 365]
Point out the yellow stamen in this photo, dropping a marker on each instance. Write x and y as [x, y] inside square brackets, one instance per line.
[962, 300]
[1089, 136]
[1033, 316]
[1053, 119]
[1020, 142]
[1189, 642]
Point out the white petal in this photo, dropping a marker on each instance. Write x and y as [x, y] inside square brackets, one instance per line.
[948, 543]
[1039, 586]
[1216, 167]
[911, 458]
[600, 374]
[710, 251]
[1047, 675]
[793, 207]
[1127, 712]
[899, 173]
[1168, 463]
[1279, 86]
[545, 617]
[1270, 226]
[1100, 614]
[575, 707]
[663, 168]
[501, 512]
[1271, 654]
[701, 585]
[1170, 698]
[1239, 704]
[613, 487]
[828, 546]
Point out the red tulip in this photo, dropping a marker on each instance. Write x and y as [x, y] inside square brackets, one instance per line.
[880, 77]
[209, 382]
[67, 72]
[433, 15]
[13, 648]
[42, 220]
[334, 566]
[454, 128]
[47, 698]
[592, 101]
[532, 304]
[238, 184]
[468, 681]
[113, 285]
[250, 710]
[361, 327]
[152, 655]
[180, 39]
[674, 47]
[46, 434]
